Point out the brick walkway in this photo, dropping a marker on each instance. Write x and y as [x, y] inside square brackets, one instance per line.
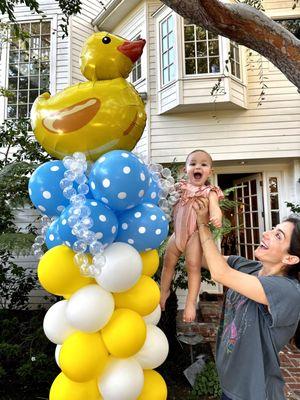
[289, 357]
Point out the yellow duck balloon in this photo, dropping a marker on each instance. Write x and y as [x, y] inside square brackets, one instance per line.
[94, 117]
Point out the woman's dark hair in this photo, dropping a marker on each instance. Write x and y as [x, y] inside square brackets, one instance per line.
[294, 270]
[294, 249]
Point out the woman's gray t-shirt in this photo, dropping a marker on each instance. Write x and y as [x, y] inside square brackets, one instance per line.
[251, 335]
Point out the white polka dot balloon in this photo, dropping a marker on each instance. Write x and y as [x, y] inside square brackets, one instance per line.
[119, 179]
[44, 188]
[52, 237]
[101, 224]
[144, 227]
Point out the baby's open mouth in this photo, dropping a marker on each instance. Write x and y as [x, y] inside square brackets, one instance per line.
[197, 175]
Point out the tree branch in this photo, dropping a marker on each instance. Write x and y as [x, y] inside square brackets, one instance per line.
[247, 26]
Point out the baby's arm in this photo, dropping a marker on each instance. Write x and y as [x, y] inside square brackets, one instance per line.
[215, 213]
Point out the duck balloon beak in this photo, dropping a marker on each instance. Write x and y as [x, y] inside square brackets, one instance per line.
[132, 50]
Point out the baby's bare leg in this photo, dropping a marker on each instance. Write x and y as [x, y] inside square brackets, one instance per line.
[170, 260]
[193, 259]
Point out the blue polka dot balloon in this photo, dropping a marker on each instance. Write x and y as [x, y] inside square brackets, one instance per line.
[143, 227]
[119, 179]
[152, 194]
[44, 189]
[104, 224]
[52, 237]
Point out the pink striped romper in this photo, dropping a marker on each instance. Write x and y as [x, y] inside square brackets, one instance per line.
[185, 220]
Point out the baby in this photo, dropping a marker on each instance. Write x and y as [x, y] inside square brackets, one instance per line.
[185, 238]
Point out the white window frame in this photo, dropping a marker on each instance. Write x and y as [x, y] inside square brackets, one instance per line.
[137, 64]
[164, 19]
[52, 61]
[220, 44]
[237, 49]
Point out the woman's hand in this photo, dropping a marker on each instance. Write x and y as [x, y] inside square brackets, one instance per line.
[201, 207]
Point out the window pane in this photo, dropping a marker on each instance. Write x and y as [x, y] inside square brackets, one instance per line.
[189, 50]
[201, 49]
[28, 58]
[273, 185]
[165, 60]
[33, 94]
[12, 111]
[172, 72]
[189, 33]
[12, 83]
[213, 46]
[13, 57]
[275, 218]
[214, 65]
[171, 55]
[202, 65]
[165, 75]
[254, 203]
[200, 33]
[255, 219]
[170, 24]
[256, 236]
[165, 44]
[23, 83]
[190, 66]
[274, 201]
[24, 56]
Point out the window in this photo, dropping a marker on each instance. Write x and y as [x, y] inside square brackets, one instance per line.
[28, 68]
[292, 25]
[201, 50]
[235, 59]
[136, 73]
[274, 201]
[167, 35]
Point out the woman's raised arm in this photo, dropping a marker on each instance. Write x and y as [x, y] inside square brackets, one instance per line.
[247, 285]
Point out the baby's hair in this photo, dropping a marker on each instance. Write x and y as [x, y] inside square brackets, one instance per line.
[199, 151]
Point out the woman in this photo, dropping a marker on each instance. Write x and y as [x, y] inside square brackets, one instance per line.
[261, 309]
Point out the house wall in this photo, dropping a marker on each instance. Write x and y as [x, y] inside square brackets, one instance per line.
[81, 28]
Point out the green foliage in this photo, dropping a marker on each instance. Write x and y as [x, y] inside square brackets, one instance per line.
[295, 208]
[25, 371]
[207, 383]
[20, 154]
[258, 4]
[15, 283]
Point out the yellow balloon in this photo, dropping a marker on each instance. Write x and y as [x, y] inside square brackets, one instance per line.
[64, 389]
[58, 273]
[125, 333]
[143, 297]
[98, 116]
[83, 356]
[155, 387]
[150, 261]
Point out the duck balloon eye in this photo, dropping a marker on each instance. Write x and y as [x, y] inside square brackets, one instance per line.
[106, 40]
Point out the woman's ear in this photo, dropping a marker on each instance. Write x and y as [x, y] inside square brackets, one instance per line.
[290, 259]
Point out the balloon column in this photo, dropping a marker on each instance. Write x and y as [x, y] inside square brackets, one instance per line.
[102, 224]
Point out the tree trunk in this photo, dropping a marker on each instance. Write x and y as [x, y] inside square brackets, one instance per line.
[246, 26]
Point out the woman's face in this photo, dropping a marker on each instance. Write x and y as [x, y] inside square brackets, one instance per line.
[198, 168]
[275, 243]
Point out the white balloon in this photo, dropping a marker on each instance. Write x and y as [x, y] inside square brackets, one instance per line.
[122, 379]
[56, 326]
[90, 308]
[122, 269]
[57, 351]
[155, 349]
[154, 317]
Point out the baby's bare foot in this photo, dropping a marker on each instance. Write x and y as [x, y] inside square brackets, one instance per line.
[164, 295]
[189, 314]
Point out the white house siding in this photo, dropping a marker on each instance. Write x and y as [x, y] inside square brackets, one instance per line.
[81, 29]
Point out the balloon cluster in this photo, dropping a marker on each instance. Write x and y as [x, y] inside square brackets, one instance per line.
[102, 224]
[102, 229]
